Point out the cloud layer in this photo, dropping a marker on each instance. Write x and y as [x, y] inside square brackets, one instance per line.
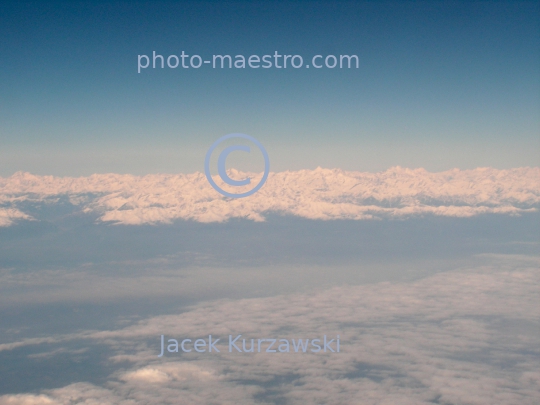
[461, 337]
[315, 194]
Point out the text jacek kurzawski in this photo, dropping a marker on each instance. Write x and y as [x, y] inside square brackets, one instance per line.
[238, 344]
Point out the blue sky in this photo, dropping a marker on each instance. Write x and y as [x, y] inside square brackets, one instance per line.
[440, 85]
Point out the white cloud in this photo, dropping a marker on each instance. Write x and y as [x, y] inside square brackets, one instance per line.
[468, 336]
[172, 371]
[27, 399]
[317, 194]
[10, 215]
[147, 374]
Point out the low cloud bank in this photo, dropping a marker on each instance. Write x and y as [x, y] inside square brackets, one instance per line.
[460, 337]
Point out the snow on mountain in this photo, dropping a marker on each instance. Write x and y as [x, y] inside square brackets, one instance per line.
[315, 194]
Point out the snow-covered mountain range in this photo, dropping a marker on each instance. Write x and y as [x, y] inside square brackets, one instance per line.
[316, 194]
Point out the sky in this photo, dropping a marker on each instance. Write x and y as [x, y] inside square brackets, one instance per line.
[401, 211]
[439, 85]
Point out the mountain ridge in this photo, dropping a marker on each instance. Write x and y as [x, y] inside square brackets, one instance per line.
[315, 194]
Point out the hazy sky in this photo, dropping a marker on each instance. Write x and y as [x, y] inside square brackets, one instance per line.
[439, 85]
